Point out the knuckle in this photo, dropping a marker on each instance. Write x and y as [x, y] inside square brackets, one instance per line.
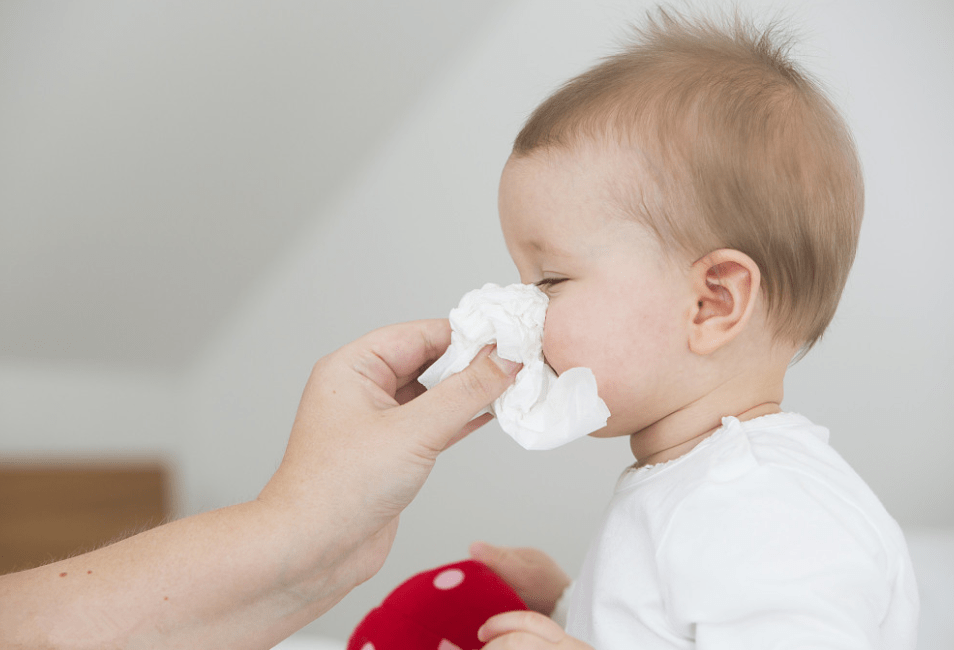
[475, 384]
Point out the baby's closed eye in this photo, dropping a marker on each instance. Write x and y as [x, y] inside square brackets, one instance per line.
[546, 283]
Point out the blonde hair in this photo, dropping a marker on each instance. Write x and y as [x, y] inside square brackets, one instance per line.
[743, 150]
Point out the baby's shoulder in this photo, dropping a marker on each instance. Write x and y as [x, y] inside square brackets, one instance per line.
[778, 485]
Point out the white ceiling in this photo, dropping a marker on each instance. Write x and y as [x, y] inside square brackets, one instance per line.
[156, 157]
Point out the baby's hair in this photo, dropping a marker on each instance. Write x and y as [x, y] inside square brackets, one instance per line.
[741, 148]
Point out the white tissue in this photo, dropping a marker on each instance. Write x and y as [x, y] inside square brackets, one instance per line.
[540, 410]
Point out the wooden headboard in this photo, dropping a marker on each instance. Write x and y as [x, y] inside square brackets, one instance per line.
[51, 511]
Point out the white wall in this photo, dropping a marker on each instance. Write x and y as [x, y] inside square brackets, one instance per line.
[418, 228]
[69, 411]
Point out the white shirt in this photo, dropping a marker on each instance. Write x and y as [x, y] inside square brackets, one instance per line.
[760, 537]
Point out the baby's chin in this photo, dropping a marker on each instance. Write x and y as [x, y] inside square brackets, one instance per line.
[547, 362]
[609, 431]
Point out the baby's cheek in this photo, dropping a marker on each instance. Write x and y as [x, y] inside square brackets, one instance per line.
[565, 347]
[557, 344]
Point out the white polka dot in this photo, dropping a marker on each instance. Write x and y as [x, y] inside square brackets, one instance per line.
[368, 646]
[446, 645]
[449, 579]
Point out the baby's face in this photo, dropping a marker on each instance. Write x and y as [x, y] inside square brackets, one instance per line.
[617, 305]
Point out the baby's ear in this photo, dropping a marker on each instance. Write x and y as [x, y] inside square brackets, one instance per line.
[725, 285]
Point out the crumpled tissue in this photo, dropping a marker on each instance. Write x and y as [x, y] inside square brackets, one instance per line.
[540, 410]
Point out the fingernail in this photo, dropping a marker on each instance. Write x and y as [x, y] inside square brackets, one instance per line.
[480, 634]
[509, 367]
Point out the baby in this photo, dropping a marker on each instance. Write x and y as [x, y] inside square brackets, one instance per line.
[691, 206]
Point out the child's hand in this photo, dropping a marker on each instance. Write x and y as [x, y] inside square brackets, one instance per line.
[533, 574]
[526, 631]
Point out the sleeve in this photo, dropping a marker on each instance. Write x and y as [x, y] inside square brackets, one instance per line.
[767, 562]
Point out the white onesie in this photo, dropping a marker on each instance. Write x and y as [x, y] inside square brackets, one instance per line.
[760, 537]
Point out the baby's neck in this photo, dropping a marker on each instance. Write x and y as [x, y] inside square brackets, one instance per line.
[745, 382]
[651, 448]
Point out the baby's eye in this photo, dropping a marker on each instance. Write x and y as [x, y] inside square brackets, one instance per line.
[547, 283]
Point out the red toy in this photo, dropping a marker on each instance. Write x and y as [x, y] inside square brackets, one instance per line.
[440, 609]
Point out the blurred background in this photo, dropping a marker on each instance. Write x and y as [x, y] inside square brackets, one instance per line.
[200, 199]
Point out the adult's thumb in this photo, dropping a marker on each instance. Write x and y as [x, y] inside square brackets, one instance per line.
[446, 409]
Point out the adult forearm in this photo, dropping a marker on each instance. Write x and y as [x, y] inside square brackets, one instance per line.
[239, 577]
[363, 443]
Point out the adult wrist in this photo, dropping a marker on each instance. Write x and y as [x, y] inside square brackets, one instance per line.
[318, 545]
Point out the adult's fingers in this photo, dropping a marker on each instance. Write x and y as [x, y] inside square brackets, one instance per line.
[409, 391]
[445, 410]
[469, 428]
[393, 356]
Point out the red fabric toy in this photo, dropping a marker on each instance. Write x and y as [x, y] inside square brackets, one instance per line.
[440, 609]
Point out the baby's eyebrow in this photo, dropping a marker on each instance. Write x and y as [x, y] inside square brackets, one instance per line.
[543, 246]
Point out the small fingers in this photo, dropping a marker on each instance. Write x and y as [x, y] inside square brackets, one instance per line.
[527, 622]
[519, 641]
[504, 561]
[486, 553]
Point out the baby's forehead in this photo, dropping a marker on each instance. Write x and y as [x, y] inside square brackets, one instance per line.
[622, 179]
[587, 165]
[593, 189]
[609, 187]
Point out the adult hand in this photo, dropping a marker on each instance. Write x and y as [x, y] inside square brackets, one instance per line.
[526, 631]
[246, 576]
[368, 434]
[534, 575]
